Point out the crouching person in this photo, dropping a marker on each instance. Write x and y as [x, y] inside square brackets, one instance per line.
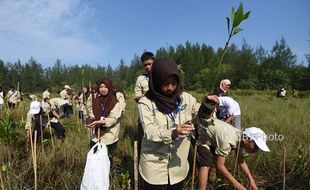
[218, 139]
[50, 107]
[36, 121]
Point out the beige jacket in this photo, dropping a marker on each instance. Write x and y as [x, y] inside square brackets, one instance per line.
[113, 126]
[30, 121]
[219, 134]
[13, 96]
[53, 105]
[142, 85]
[46, 94]
[161, 157]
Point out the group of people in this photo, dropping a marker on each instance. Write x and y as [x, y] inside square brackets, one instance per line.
[169, 118]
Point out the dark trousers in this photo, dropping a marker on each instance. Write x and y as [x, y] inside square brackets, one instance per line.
[11, 105]
[177, 186]
[60, 130]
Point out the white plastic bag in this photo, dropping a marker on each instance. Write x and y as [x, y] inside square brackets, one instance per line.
[97, 169]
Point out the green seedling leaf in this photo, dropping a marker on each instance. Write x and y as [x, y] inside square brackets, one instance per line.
[232, 14]
[237, 30]
[246, 15]
[238, 16]
[228, 24]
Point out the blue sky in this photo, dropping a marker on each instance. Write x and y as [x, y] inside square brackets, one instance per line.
[105, 31]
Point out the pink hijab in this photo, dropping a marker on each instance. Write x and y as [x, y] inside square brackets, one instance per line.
[224, 85]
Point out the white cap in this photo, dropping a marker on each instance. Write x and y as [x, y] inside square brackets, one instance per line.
[258, 136]
[67, 87]
[35, 107]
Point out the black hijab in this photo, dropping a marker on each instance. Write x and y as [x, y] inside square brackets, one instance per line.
[102, 105]
[161, 70]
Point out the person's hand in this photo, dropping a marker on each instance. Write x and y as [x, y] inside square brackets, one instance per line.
[92, 124]
[182, 130]
[97, 122]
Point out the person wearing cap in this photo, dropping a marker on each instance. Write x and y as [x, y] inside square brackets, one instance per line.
[219, 138]
[36, 120]
[46, 93]
[165, 112]
[66, 94]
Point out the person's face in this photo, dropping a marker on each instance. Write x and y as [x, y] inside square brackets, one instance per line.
[147, 64]
[169, 85]
[84, 89]
[250, 146]
[103, 89]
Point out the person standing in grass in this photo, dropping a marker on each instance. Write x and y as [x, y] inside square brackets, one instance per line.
[13, 97]
[165, 111]
[120, 95]
[107, 112]
[1, 98]
[142, 86]
[47, 93]
[219, 138]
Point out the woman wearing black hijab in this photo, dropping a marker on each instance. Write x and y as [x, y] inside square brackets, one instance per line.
[165, 144]
[107, 112]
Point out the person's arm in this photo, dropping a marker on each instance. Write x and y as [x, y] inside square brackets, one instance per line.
[220, 164]
[247, 172]
[156, 133]
[229, 119]
[138, 90]
[112, 118]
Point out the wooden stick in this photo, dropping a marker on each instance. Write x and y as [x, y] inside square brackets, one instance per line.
[135, 156]
[284, 159]
[194, 167]
[41, 128]
[50, 130]
[35, 160]
[1, 180]
[237, 158]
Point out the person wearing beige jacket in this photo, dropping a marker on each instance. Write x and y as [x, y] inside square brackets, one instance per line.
[165, 113]
[107, 112]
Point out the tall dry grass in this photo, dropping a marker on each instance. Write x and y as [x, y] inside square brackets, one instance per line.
[62, 167]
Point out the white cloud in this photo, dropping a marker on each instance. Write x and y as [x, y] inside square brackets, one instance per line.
[48, 30]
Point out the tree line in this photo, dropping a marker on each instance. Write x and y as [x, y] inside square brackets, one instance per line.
[246, 67]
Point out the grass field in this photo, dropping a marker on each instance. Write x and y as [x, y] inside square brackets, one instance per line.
[61, 167]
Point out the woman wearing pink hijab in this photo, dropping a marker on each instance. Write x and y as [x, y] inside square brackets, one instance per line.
[223, 89]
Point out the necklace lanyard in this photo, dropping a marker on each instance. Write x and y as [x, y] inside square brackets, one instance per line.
[173, 114]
